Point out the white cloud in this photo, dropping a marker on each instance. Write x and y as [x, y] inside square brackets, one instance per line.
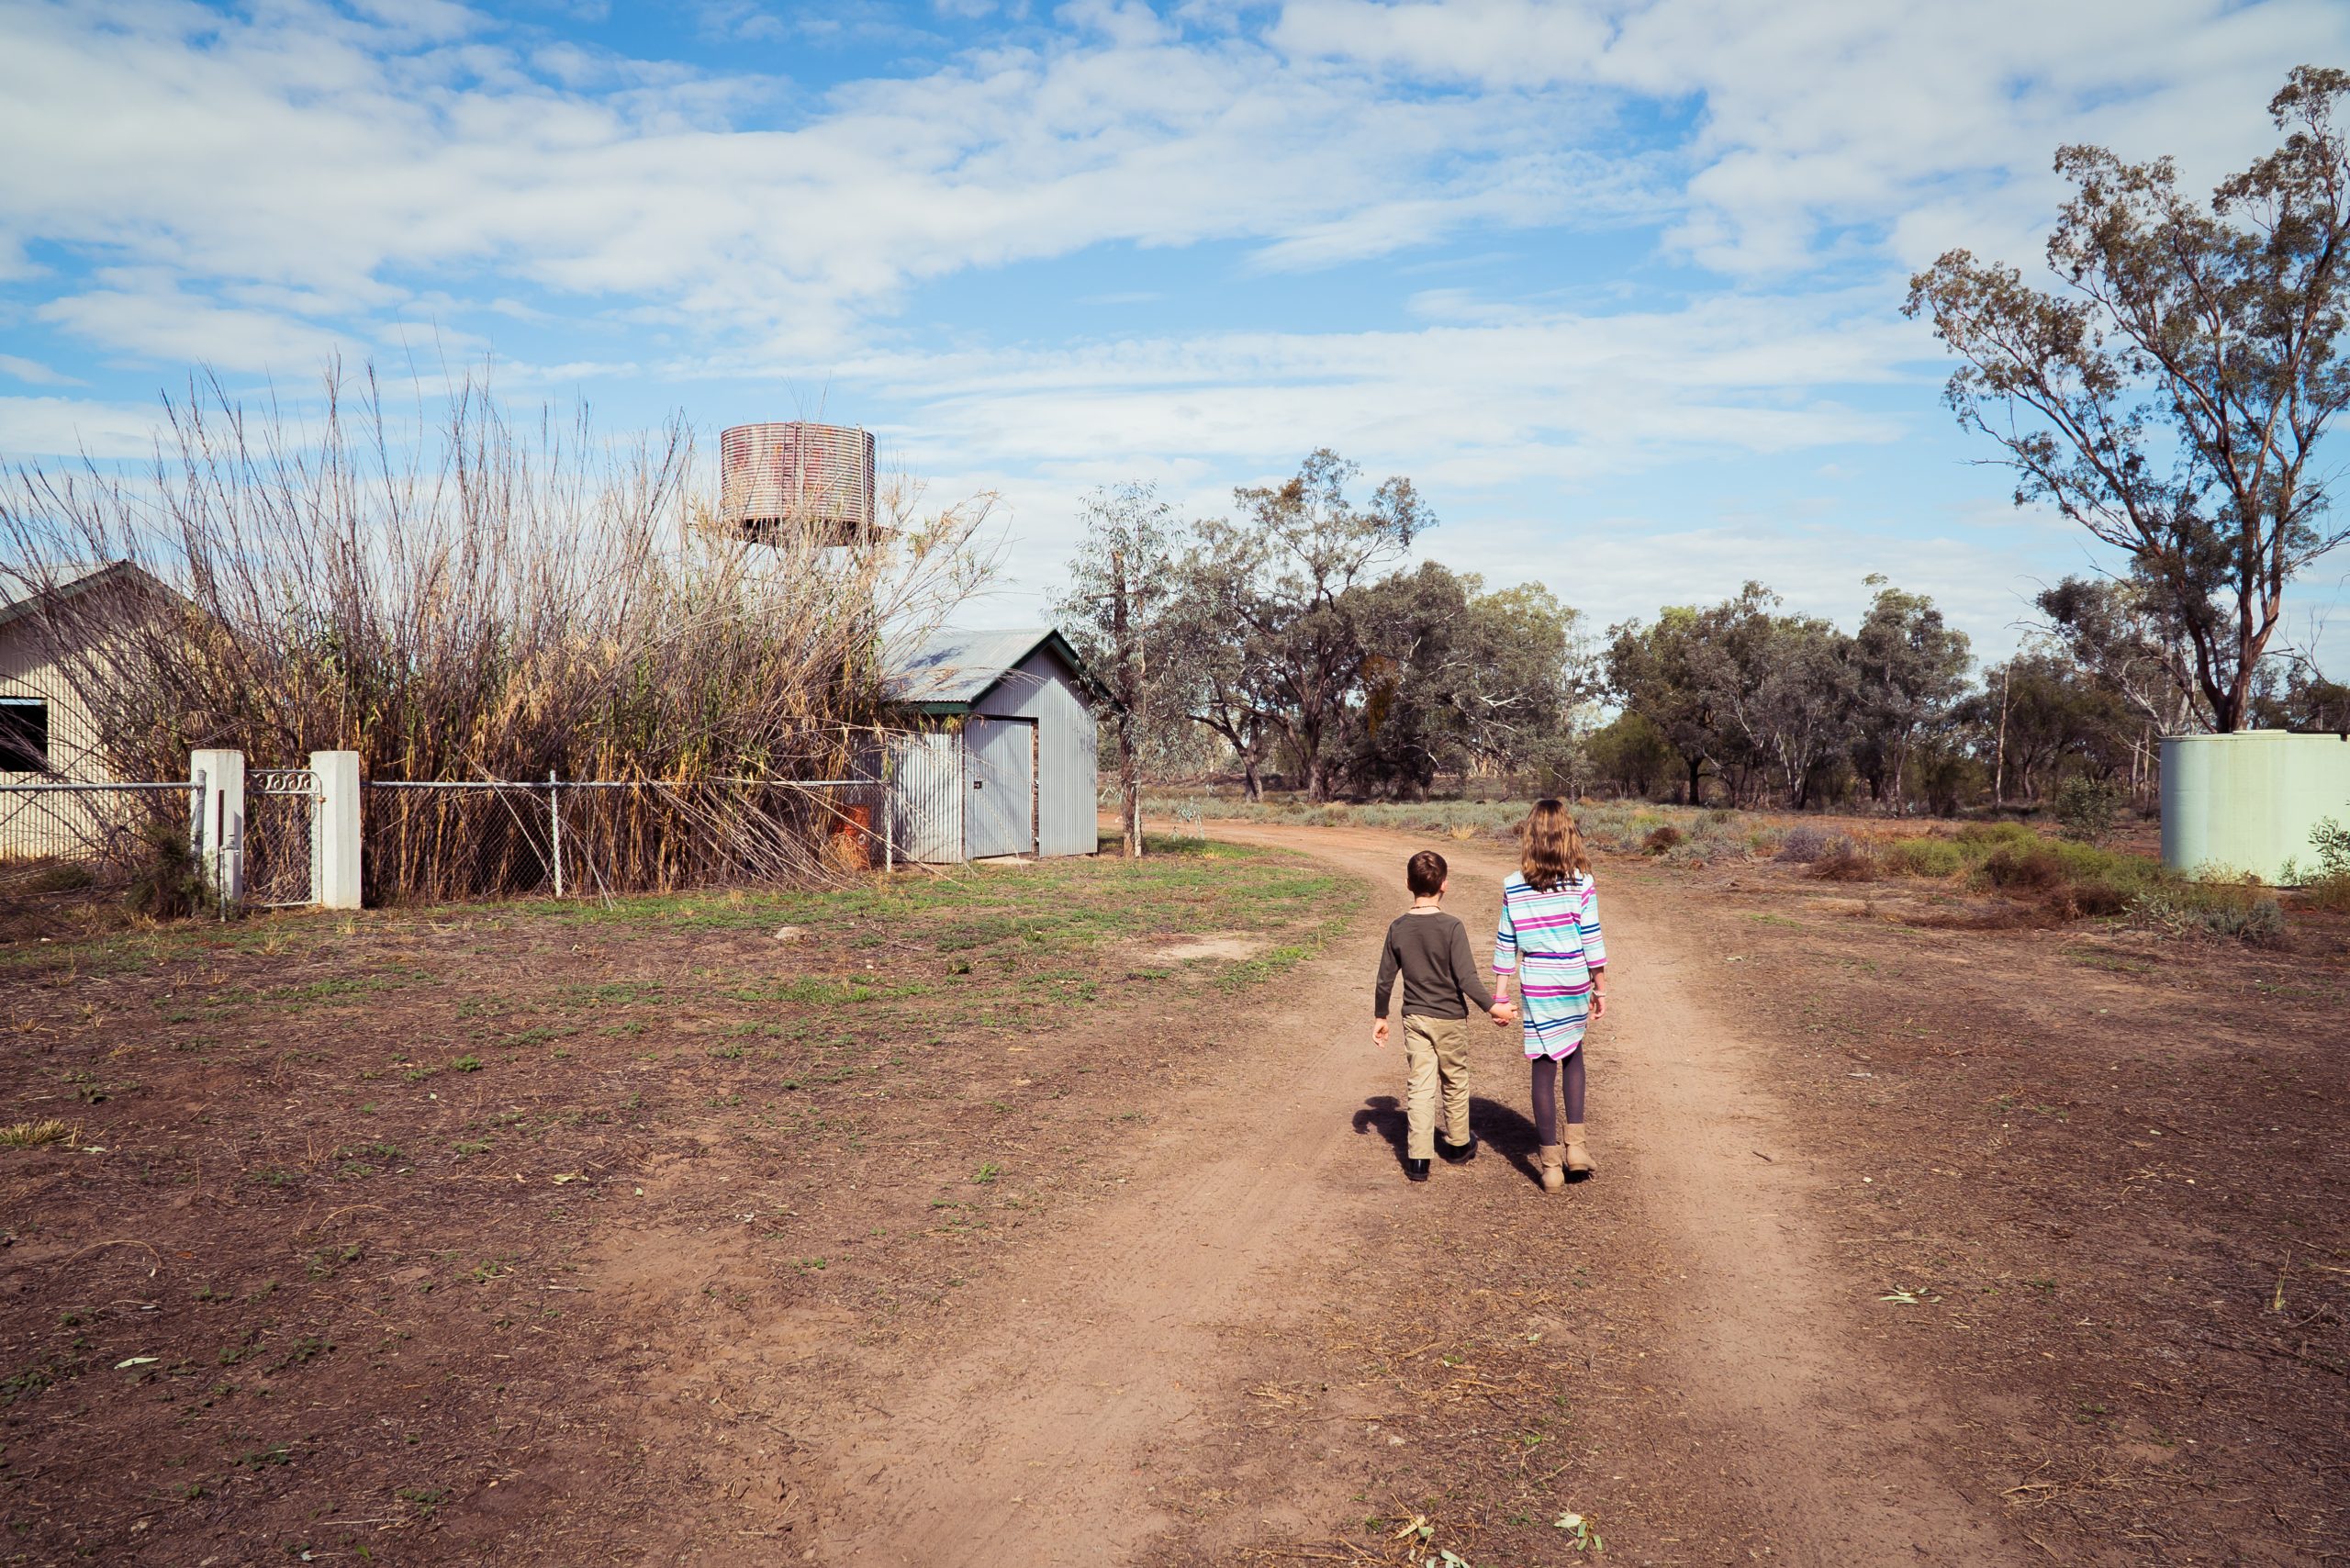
[1818, 113]
[33, 372]
[68, 427]
[331, 157]
[158, 322]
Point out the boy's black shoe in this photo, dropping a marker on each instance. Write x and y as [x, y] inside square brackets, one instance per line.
[1457, 1153]
[1416, 1170]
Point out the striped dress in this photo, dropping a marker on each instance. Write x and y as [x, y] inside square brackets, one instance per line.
[1552, 940]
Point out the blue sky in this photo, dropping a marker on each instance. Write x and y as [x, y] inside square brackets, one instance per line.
[1617, 282]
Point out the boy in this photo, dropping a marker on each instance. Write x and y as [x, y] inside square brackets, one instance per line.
[1430, 949]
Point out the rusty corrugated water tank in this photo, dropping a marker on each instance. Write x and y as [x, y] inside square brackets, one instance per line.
[796, 478]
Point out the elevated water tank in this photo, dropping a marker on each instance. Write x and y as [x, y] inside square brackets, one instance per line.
[797, 478]
[2246, 802]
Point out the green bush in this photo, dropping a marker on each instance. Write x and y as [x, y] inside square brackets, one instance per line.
[2332, 842]
[1991, 835]
[1923, 858]
[2086, 807]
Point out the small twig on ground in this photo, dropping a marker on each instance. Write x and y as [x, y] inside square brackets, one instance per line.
[123, 1241]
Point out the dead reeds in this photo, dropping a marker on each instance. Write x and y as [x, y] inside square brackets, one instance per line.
[468, 599]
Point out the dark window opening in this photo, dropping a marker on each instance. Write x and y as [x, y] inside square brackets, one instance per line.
[24, 734]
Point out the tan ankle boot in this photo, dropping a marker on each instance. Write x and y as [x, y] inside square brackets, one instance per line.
[1551, 1155]
[1578, 1157]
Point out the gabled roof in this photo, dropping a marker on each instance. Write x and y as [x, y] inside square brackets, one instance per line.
[19, 600]
[951, 669]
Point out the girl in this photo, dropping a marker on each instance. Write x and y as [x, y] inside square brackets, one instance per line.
[1549, 938]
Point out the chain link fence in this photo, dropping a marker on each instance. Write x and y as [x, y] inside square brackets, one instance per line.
[57, 836]
[460, 840]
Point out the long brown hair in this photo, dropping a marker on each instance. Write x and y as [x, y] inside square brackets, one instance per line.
[1554, 854]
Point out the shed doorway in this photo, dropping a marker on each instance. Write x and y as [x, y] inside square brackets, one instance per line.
[1000, 818]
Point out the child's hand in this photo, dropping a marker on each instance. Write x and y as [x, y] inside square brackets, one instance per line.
[1598, 1005]
[1504, 1014]
[1379, 1033]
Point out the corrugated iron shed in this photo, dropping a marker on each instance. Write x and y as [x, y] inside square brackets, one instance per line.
[952, 669]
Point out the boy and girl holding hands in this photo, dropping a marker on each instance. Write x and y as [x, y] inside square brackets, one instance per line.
[1549, 938]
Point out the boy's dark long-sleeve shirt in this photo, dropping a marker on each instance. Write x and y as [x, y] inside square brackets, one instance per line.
[1431, 952]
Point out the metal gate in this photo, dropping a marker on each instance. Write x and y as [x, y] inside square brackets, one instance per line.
[1001, 811]
[280, 860]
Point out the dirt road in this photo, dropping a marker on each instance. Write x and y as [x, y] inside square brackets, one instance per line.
[1044, 1428]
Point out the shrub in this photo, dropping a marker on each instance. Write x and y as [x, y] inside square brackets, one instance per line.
[2096, 896]
[2234, 910]
[1802, 846]
[65, 879]
[1662, 840]
[2330, 893]
[2086, 807]
[2332, 842]
[1923, 858]
[1846, 862]
[1992, 835]
[2031, 868]
[165, 883]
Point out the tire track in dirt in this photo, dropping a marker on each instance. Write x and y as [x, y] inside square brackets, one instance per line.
[1082, 1376]
[1082, 1371]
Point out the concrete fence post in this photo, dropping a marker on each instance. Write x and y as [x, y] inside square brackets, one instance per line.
[221, 816]
[334, 830]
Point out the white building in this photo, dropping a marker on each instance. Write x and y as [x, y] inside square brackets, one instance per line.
[1002, 760]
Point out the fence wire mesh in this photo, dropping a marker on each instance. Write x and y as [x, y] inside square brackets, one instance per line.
[433, 842]
[58, 837]
[279, 817]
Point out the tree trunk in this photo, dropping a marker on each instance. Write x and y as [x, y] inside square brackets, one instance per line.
[1251, 787]
[1130, 788]
[1999, 762]
[1697, 781]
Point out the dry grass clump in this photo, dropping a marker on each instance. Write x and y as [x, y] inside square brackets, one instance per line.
[475, 599]
[31, 1134]
[1846, 862]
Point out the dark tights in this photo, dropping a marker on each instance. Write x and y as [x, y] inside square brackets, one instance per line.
[1547, 1088]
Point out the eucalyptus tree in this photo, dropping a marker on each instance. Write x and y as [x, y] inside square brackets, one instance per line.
[2170, 396]
[1456, 679]
[1119, 611]
[1910, 666]
[1280, 583]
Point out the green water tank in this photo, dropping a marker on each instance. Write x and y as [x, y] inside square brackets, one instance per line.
[2245, 803]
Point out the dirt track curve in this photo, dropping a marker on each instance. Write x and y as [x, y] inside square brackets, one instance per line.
[1073, 1382]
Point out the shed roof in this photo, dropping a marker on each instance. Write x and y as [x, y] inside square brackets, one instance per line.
[18, 598]
[953, 667]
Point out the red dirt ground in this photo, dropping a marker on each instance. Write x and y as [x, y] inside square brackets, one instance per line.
[1908, 1244]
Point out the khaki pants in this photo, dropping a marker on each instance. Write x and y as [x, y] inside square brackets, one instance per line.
[1434, 1049]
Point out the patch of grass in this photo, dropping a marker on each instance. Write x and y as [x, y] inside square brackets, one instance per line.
[424, 1500]
[31, 1134]
[2235, 909]
[1923, 858]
